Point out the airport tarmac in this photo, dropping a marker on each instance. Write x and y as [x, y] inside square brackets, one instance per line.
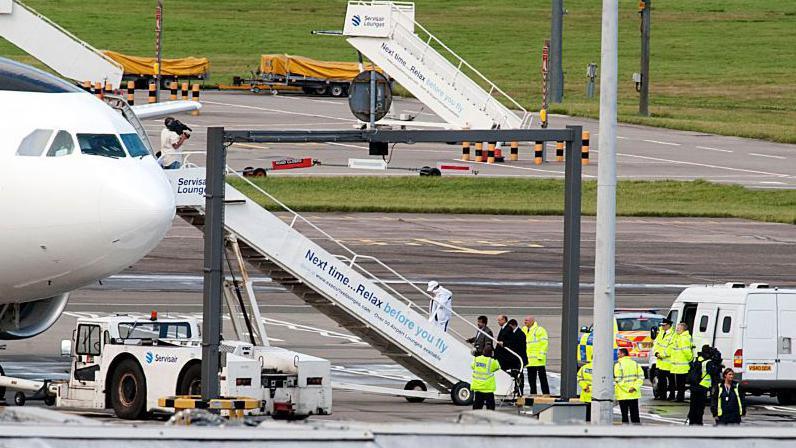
[493, 264]
[642, 152]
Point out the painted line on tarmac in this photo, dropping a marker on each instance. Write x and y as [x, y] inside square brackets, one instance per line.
[460, 249]
[559, 173]
[704, 165]
[279, 111]
[713, 149]
[767, 156]
[662, 143]
[346, 145]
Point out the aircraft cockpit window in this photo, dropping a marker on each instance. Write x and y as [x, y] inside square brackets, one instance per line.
[105, 145]
[134, 145]
[35, 143]
[62, 145]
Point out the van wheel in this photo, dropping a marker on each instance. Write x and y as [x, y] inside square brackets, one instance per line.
[191, 381]
[415, 385]
[461, 394]
[19, 399]
[128, 390]
[786, 397]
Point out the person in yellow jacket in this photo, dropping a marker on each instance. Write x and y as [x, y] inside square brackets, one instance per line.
[680, 352]
[483, 380]
[628, 378]
[536, 343]
[584, 382]
[663, 365]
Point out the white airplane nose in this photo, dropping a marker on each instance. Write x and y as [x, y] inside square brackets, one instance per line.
[137, 209]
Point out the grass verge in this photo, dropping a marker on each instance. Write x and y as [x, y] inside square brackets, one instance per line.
[719, 66]
[520, 197]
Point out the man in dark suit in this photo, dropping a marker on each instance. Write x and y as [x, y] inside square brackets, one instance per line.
[504, 333]
[482, 338]
[517, 345]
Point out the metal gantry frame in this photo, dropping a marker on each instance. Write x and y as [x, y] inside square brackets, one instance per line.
[218, 139]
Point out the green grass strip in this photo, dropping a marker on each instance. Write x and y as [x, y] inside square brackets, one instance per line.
[512, 196]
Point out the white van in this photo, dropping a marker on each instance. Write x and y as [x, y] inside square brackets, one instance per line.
[753, 326]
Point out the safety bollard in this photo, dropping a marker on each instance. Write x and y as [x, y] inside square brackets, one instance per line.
[153, 93]
[479, 152]
[559, 151]
[584, 150]
[184, 91]
[86, 86]
[98, 89]
[499, 155]
[108, 89]
[131, 93]
[538, 153]
[465, 151]
[195, 97]
[515, 151]
[173, 91]
[490, 152]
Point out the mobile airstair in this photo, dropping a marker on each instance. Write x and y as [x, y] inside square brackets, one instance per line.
[387, 34]
[54, 46]
[336, 282]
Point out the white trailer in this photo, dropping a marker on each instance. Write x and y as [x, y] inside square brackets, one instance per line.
[753, 328]
[127, 363]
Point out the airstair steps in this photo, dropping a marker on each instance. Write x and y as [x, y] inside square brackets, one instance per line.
[277, 249]
[385, 33]
[55, 47]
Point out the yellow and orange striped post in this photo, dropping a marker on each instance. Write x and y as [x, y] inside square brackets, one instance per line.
[195, 97]
[131, 93]
[584, 150]
[515, 151]
[153, 93]
[87, 86]
[98, 89]
[184, 91]
[490, 152]
[108, 88]
[479, 152]
[559, 151]
[538, 153]
[173, 91]
[465, 151]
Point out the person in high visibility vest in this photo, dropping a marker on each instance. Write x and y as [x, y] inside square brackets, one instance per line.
[628, 378]
[483, 380]
[585, 382]
[728, 402]
[663, 364]
[536, 343]
[699, 391]
[680, 353]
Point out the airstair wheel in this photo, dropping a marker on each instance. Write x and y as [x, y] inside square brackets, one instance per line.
[415, 385]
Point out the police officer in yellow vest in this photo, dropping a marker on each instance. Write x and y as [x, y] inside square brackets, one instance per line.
[728, 402]
[536, 343]
[628, 378]
[680, 352]
[483, 380]
[699, 391]
[584, 382]
[663, 364]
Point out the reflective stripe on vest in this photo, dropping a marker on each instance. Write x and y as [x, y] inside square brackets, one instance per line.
[737, 395]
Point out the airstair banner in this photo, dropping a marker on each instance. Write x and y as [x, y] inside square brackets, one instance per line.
[422, 345]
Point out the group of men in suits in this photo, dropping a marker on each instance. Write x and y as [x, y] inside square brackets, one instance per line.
[514, 347]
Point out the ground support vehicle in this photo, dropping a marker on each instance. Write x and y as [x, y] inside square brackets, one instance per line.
[126, 363]
[312, 76]
[753, 328]
[632, 329]
[142, 69]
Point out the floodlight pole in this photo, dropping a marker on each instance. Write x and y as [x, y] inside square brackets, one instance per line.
[213, 262]
[644, 94]
[604, 262]
[556, 41]
[158, 47]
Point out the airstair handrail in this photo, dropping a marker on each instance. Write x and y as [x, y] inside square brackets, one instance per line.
[493, 86]
[72, 36]
[352, 263]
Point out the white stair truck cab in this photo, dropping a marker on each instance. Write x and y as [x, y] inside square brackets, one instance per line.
[753, 326]
[127, 363]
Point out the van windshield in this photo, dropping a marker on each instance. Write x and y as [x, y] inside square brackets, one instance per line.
[104, 145]
[638, 323]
